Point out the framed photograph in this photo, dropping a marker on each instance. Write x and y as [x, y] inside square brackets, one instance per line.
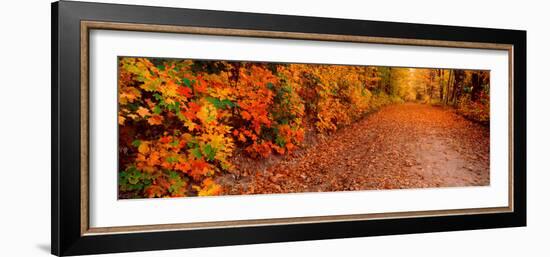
[178, 128]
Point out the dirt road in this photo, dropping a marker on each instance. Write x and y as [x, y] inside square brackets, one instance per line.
[400, 146]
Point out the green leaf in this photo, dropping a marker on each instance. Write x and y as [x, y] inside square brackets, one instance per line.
[192, 143]
[157, 109]
[172, 159]
[134, 177]
[280, 141]
[173, 107]
[215, 101]
[227, 102]
[136, 143]
[133, 106]
[157, 96]
[209, 152]
[178, 183]
[196, 152]
[220, 104]
[174, 175]
[123, 178]
[147, 182]
[187, 82]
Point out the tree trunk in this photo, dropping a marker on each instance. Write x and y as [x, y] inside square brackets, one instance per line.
[389, 86]
[457, 85]
[476, 85]
[448, 93]
[430, 86]
[235, 70]
[441, 73]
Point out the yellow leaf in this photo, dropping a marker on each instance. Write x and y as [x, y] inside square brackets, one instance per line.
[190, 125]
[209, 188]
[129, 95]
[222, 93]
[143, 147]
[155, 120]
[169, 101]
[207, 113]
[216, 140]
[150, 85]
[170, 89]
[143, 111]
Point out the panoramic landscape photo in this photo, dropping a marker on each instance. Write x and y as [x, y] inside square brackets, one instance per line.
[211, 127]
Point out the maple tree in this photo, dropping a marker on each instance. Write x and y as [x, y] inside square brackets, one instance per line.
[181, 122]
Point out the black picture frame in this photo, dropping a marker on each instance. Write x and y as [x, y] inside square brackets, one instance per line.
[66, 235]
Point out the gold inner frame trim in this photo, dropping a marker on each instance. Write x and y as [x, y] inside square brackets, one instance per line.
[86, 26]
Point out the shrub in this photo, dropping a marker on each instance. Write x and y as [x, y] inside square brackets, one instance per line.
[180, 121]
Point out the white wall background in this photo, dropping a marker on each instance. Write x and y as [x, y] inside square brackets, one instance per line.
[25, 127]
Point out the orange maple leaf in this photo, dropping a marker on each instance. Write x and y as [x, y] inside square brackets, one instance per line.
[185, 91]
[155, 120]
[200, 86]
[165, 140]
[143, 111]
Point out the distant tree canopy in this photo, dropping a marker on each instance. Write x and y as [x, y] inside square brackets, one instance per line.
[467, 90]
[180, 121]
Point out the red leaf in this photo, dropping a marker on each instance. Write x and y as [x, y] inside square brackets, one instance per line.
[185, 91]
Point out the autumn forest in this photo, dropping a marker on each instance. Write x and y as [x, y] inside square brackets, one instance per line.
[206, 127]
